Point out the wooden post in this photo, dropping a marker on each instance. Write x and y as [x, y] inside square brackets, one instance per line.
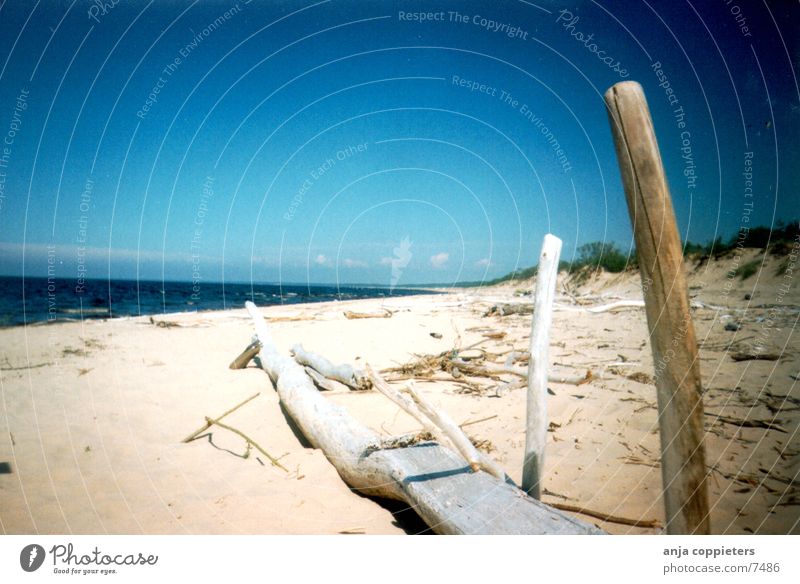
[672, 337]
[536, 421]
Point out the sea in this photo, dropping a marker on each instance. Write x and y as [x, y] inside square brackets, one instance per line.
[42, 300]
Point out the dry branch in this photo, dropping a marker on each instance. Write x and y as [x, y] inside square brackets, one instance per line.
[651, 523]
[436, 423]
[353, 378]
[430, 478]
[208, 424]
[449, 428]
[246, 356]
[355, 315]
[249, 440]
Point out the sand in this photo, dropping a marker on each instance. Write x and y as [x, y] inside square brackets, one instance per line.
[92, 413]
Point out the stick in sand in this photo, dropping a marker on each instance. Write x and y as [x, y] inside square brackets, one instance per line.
[666, 298]
[536, 422]
[208, 424]
[249, 440]
[246, 356]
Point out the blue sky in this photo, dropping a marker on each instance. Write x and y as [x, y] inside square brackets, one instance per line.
[303, 142]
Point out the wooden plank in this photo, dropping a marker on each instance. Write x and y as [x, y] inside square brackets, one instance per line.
[672, 336]
[434, 481]
[536, 419]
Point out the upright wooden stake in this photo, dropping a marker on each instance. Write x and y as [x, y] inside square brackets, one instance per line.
[536, 422]
[672, 337]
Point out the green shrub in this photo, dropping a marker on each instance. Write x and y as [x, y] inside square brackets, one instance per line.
[748, 269]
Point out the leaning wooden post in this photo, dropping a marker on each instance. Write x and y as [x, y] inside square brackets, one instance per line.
[536, 421]
[672, 337]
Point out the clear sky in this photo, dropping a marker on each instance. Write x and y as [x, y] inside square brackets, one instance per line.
[374, 142]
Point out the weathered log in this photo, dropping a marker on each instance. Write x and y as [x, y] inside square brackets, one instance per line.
[356, 315]
[536, 420]
[672, 337]
[353, 378]
[506, 309]
[432, 479]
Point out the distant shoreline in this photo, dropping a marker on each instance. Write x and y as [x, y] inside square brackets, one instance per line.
[40, 300]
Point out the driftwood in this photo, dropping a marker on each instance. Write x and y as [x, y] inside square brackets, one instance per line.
[246, 356]
[506, 309]
[536, 420]
[323, 383]
[454, 433]
[353, 378]
[616, 306]
[432, 479]
[354, 315]
[436, 423]
[672, 336]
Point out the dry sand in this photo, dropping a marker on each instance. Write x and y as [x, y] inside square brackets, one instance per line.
[92, 413]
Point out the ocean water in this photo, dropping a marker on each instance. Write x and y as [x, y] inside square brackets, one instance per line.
[37, 300]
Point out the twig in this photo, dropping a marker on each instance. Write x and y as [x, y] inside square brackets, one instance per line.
[766, 424]
[617, 305]
[651, 523]
[25, 367]
[471, 422]
[754, 356]
[271, 458]
[208, 424]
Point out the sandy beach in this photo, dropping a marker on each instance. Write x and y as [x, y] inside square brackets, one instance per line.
[92, 413]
